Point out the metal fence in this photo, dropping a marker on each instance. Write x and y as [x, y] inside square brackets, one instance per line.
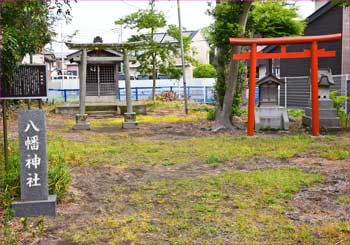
[204, 94]
[296, 91]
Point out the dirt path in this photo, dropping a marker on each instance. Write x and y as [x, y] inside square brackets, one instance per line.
[92, 185]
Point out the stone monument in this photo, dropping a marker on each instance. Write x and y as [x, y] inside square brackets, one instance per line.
[35, 199]
[268, 114]
[328, 114]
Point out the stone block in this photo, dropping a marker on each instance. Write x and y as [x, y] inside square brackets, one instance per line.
[130, 125]
[271, 118]
[324, 113]
[325, 123]
[35, 208]
[81, 122]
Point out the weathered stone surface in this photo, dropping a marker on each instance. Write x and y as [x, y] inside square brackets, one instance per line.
[35, 208]
[35, 200]
[271, 118]
[81, 122]
[130, 117]
[33, 155]
[327, 113]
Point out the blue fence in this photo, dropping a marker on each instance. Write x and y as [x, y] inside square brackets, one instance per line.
[203, 94]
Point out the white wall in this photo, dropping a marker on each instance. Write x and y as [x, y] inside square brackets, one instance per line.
[74, 83]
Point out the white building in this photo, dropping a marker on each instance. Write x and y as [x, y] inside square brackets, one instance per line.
[199, 47]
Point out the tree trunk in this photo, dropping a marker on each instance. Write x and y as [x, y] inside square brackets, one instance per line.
[224, 111]
[154, 87]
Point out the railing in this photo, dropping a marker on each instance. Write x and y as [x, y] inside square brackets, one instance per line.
[204, 94]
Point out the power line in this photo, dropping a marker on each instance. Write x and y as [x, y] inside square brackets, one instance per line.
[131, 5]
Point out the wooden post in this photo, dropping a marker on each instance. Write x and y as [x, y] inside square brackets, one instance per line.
[252, 82]
[83, 62]
[314, 90]
[4, 121]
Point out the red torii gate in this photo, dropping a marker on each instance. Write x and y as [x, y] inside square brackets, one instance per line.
[314, 54]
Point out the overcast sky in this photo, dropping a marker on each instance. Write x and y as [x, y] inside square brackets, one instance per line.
[92, 18]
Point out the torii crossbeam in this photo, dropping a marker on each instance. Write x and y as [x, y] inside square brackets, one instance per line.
[313, 54]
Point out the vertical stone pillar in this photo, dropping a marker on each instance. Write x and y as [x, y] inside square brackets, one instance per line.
[129, 116]
[81, 122]
[35, 199]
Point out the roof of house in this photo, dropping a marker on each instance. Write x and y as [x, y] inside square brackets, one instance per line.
[313, 17]
[164, 37]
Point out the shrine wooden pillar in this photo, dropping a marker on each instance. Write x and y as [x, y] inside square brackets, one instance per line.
[252, 85]
[314, 90]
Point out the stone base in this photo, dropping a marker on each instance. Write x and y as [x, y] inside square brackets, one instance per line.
[35, 208]
[273, 117]
[327, 113]
[325, 123]
[130, 125]
[82, 126]
[81, 122]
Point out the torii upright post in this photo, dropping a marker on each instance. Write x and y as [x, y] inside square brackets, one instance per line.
[313, 54]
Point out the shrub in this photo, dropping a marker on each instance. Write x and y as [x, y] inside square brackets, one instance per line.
[59, 176]
[211, 114]
[204, 71]
[296, 113]
[338, 104]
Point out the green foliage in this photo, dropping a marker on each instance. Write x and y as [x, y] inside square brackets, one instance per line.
[211, 114]
[270, 18]
[277, 19]
[59, 176]
[204, 71]
[241, 83]
[27, 27]
[296, 113]
[58, 173]
[342, 3]
[155, 57]
[335, 153]
[338, 104]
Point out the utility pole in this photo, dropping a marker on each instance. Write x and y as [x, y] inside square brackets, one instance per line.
[62, 58]
[182, 57]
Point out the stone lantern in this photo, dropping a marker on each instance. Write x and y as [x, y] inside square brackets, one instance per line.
[325, 81]
[328, 114]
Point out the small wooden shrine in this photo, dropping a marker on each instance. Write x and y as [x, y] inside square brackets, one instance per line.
[101, 72]
[268, 90]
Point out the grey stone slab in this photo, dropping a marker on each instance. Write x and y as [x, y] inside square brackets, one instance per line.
[130, 125]
[271, 118]
[81, 122]
[325, 123]
[33, 155]
[324, 113]
[35, 208]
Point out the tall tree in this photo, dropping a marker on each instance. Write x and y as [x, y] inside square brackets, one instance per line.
[27, 27]
[156, 54]
[231, 20]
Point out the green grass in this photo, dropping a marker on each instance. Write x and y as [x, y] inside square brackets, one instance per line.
[120, 149]
[192, 117]
[234, 206]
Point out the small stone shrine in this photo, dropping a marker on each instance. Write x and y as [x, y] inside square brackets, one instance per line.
[328, 114]
[98, 75]
[268, 114]
[35, 199]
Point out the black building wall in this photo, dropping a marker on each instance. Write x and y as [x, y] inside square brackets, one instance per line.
[326, 23]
